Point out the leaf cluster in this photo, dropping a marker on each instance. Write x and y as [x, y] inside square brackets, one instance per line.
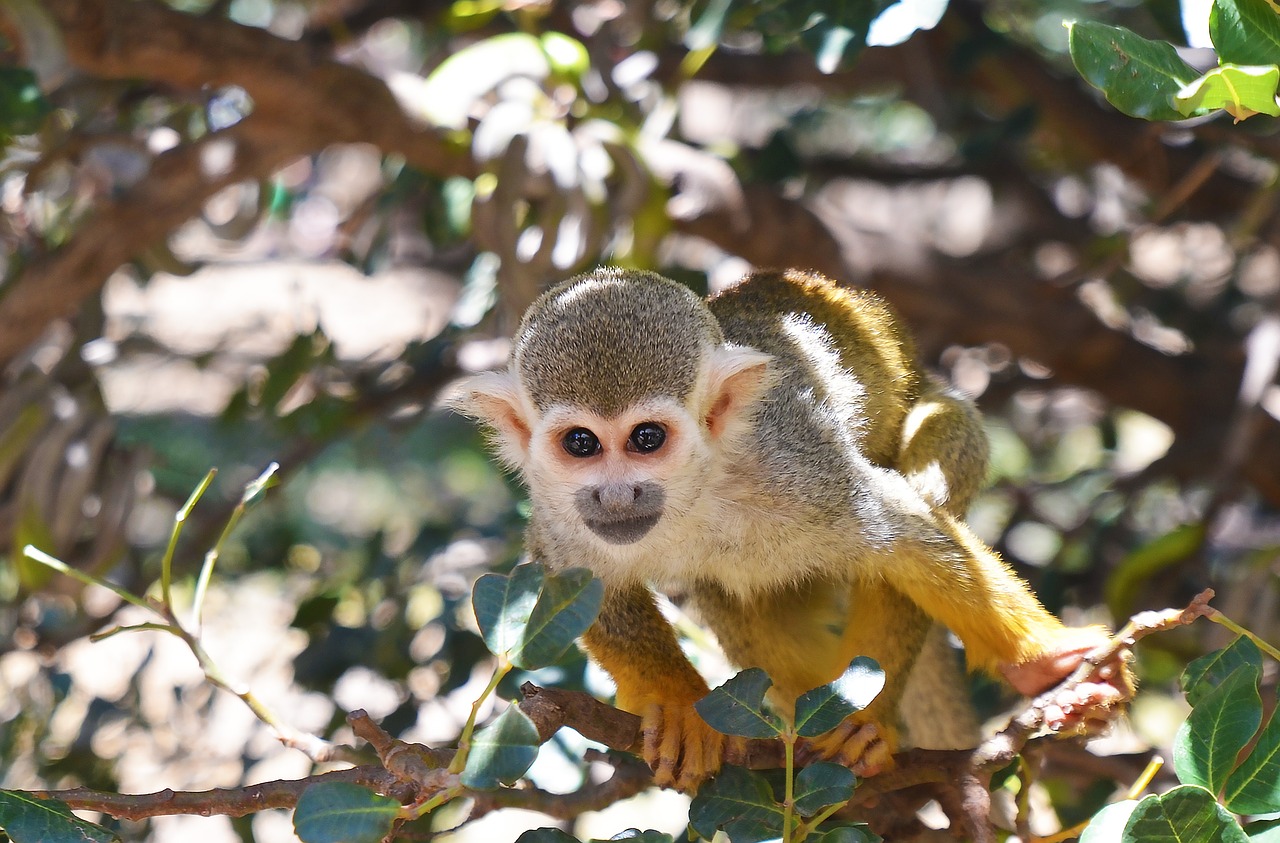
[1148, 79]
[1218, 778]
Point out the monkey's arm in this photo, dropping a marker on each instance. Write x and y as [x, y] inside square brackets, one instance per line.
[637, 647]
[956, 579]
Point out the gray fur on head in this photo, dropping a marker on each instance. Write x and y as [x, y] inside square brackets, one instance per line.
[615, 335]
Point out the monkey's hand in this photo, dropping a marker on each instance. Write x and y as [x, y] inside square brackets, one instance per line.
[679, 746]
[1089, 705]
[860, 742]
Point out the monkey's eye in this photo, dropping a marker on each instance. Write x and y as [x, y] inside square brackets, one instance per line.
[647, 437]
[581, 442]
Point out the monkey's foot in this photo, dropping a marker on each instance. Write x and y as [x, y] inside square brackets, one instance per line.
[679, 746]
[860, 743]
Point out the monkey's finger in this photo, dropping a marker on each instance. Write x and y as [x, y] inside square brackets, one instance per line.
[669, 751]
[654, 728]
[875, 759]
[693, 765]
[860, 746]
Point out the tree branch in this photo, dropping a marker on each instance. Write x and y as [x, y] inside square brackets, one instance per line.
[302, 102]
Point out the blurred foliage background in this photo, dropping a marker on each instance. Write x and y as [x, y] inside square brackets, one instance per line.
[252, 230]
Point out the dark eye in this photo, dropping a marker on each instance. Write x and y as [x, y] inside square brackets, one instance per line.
[581, 442]
[647, 437]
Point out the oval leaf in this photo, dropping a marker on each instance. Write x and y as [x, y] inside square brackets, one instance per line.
[534, 618]
[737, 706]
[1254, 788]
[1236, 89]
[822, 709]
[1183, 815]
[1245, 31]
[1206, 746]
[27, 819]
[341, 812]
[503, 605]
[823, 784]
[566, 607]
[1137, 76]
[1207, 672]
[502, 751]
[740, 802]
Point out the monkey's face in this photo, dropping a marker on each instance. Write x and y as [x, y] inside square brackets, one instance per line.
[615, 478]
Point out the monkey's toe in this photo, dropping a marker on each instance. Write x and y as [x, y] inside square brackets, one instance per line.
[861, 744]
[679, 746]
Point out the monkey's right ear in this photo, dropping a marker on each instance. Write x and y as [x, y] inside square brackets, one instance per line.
[494, 398]
[738, 375]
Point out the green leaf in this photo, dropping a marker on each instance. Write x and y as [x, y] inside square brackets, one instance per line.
[1254, 788]
[567, 606]
[822, 784]
[737, 706]
[546, 835]
[1245, 31]
[740, 803]
[1206, 746]
[1267, 831]
[1159, 554]
[847, 834]
[1185, 814]
[1240, 91]
[1108, 824]
[1137, 76]
[22, 106]
[28, 819]
[503, 605]
[534, 618]
[502, 751]
[341, 812]
[822, 709]
[1207, 672]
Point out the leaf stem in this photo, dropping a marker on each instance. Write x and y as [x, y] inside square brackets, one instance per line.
[211, 558]
[179, 520]
[1219, 618]
[459, 761]
[35, 554]
[434, 802]
[789, 800]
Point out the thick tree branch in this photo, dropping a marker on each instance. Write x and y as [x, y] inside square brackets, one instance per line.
[231, 802]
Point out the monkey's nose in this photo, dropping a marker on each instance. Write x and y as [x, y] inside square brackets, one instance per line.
[616, 495]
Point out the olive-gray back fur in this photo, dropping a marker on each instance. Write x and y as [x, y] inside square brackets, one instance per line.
[603, 335]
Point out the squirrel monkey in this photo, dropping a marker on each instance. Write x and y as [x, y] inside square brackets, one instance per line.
[775, 454]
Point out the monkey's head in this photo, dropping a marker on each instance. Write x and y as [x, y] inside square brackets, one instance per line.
[620, 395]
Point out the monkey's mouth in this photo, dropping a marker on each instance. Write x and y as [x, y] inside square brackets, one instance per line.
[624, 530]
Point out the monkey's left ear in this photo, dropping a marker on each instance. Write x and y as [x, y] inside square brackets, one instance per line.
[494, 398]
[737, 376]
